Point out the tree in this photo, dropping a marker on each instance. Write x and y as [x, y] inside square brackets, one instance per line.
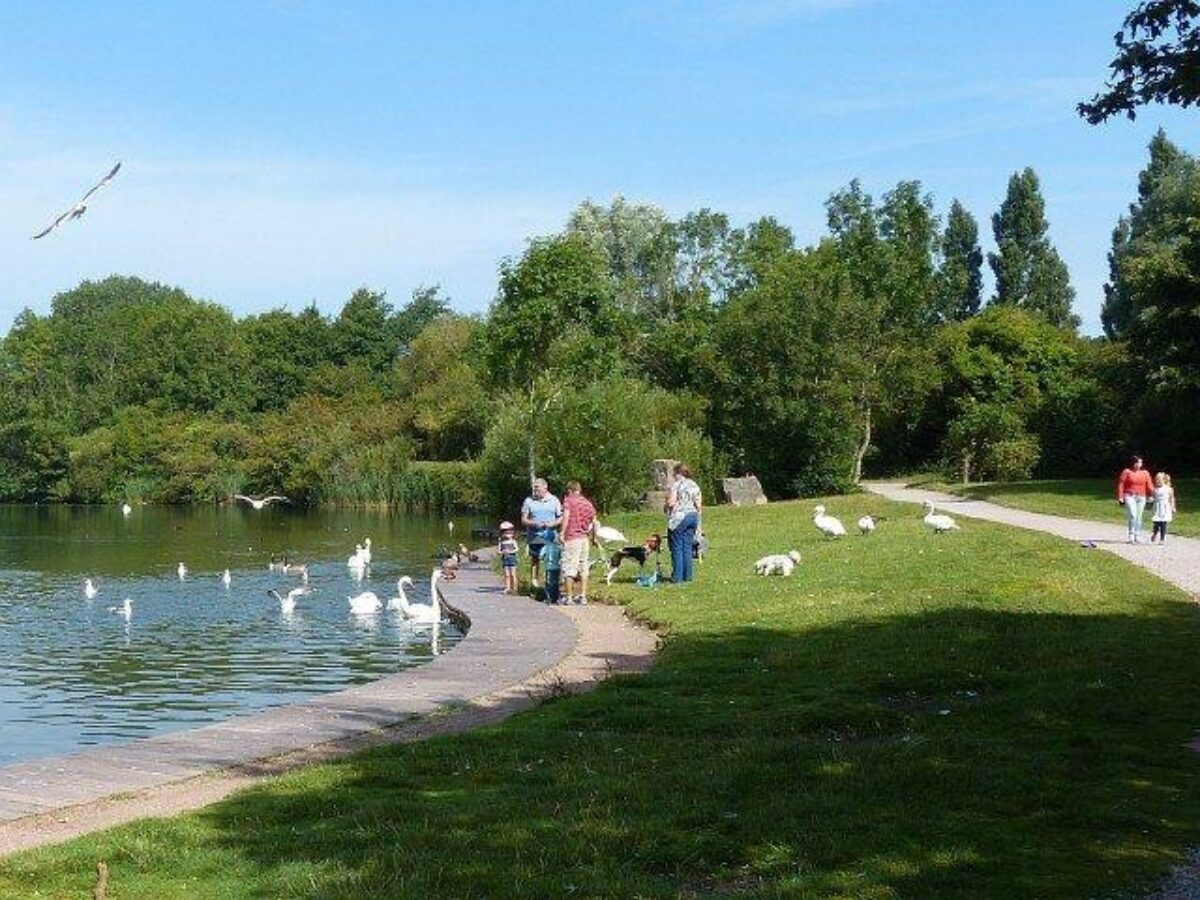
[960, 281]
[284, 351]
[1157, 61]
[628, 236]
[362, 333]
[1029, 272]
[426, 306]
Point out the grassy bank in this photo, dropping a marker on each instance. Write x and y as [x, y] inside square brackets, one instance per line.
[1082, 498]
[991, 713]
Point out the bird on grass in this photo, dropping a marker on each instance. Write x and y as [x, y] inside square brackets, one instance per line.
[829, 526]
[261, 503]
[939, 522]
[606, 534]
[79, 208]
[867, 523]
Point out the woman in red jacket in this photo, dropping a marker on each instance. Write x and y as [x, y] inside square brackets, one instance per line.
[1134, 487]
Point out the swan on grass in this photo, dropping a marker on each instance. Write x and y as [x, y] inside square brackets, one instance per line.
[867, 524]
[606, 534]
[89, 589]
[365, 603]
[939, 522]
[288, 604]
[829, 526]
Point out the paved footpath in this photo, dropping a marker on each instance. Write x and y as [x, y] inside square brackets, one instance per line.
[1177, 561]
[515, 652]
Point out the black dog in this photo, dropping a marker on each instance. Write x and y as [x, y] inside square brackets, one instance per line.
[640, 555]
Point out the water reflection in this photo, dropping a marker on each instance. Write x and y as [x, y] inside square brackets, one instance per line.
[73, 673]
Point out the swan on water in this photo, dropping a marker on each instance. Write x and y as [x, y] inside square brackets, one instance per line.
[89, 589]
[126, 609]
[366, 551]
[424, 613]
[830, 527]
[182, 570]
[288, 604]
[226, 578]
[364, 603]
[126, 509]
[264, 502]
[358, 560]
[939, 522]
[401, 603]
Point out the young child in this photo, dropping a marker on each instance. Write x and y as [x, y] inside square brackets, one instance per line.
[507, 549]
[1164, 506]
[552, 566]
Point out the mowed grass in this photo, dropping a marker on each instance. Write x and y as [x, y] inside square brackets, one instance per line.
[986, 714]
[1084, 498]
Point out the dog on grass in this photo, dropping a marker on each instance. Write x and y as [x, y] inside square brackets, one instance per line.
[777, 563]
[640, 555]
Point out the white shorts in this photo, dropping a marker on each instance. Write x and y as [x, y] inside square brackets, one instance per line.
[575, 557]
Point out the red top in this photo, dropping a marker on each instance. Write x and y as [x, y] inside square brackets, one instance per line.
[579, 515]
[1134, 481]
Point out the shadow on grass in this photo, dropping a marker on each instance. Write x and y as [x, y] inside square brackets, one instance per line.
[957, 753]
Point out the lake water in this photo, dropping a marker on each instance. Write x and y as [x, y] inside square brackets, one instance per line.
[74, 673]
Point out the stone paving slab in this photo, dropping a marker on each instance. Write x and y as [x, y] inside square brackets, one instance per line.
[508, 640]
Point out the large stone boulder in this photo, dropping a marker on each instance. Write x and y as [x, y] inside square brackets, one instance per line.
[661, 473]
[743, 491]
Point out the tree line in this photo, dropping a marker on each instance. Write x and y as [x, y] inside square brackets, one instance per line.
[630, 335]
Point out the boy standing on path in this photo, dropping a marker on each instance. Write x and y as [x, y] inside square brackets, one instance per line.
[541, 513]
[577, 519]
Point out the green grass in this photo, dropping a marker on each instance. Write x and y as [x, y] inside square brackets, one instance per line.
[986, 714]
[1082, 498]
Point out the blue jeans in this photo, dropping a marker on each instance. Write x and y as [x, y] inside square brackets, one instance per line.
[680, 539]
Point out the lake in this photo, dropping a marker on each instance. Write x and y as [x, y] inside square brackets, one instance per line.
[74, 673]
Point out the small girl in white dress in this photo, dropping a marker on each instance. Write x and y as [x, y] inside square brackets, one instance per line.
[1164, 506]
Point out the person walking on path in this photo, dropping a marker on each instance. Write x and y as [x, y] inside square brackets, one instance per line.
[579, 515]
[1164, 507]
[1134, 488]
[541, 514]
[683, 522]
[508, 556]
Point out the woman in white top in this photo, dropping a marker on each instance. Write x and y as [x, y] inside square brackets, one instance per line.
[683, 521]
[1164, 506]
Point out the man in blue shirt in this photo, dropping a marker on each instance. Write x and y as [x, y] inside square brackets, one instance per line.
[541, 514]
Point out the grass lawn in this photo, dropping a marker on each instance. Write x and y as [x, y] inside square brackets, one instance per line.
[1083, 498]
[991, 713]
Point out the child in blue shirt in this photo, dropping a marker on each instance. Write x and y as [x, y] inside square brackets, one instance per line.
[552, 564]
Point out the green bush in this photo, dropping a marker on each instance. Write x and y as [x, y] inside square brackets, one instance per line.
[439, 486]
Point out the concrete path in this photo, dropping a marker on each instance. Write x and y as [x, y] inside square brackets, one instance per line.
[1176, 561]
[491, 672]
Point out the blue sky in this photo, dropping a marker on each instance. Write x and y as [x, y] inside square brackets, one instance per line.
[279, 153]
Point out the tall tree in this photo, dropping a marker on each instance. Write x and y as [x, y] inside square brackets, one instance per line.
[960, 280]
[628, 236]
[1157, 61]
[362, 332]
[1029, 272]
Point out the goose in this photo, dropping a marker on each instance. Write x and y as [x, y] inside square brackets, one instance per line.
[263, 503]
[288, 604]
[364, 604]
[79, 208]
[401, 603]
[606, 534]
[126, 509]
[829, 526]
[939, 522]
[89, 589]
[125, 609]
[182, 570]
[866, 524]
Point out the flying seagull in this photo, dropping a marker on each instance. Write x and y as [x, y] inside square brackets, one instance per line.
[81, 207]
[259, 504]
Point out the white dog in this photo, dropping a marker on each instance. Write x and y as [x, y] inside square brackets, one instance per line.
[777, 564]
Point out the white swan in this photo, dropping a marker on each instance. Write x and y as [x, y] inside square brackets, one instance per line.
[264, 502]
[401, 603]
[89, 589]
[125, 609]
[366, 551]
[182, 570]
[426, 613]
[226, 578]
[606, 534]
[288, 604]
[126, 509]
[866, 524]
[939, 522]
[357, 561]
[364, 603]
[830, 527]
